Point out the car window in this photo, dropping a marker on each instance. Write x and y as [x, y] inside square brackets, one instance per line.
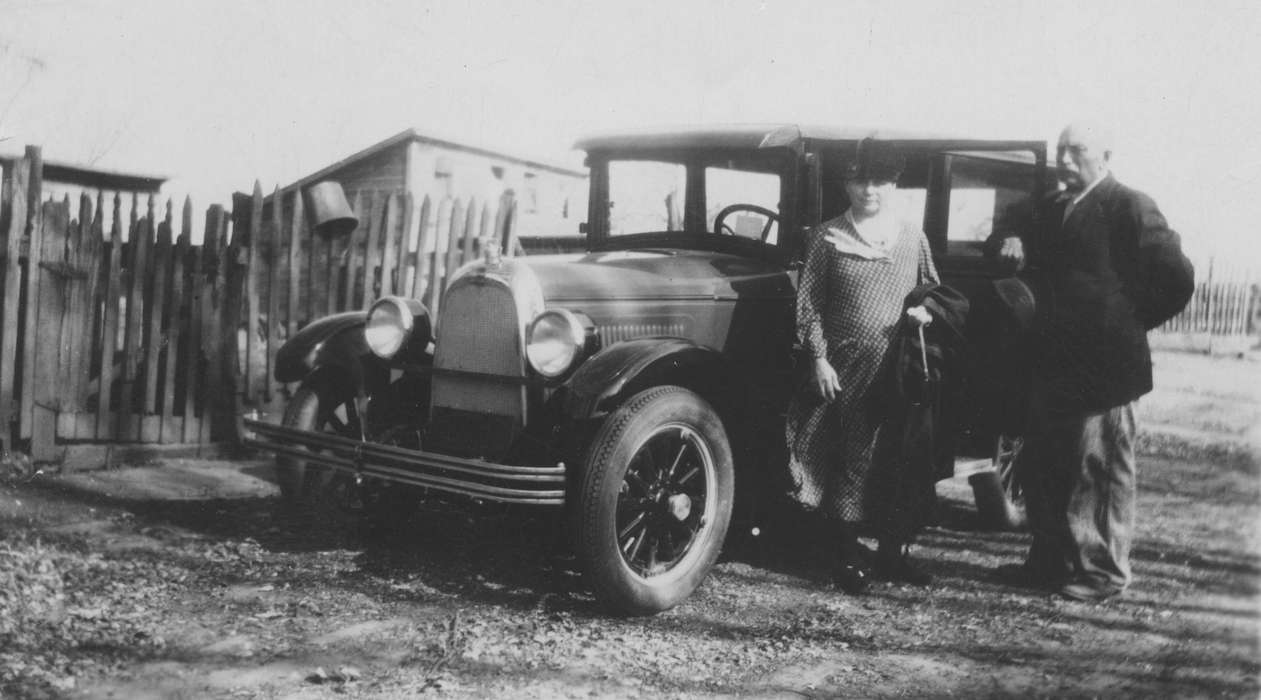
[982, 189]
[645, 196]
[738, 195]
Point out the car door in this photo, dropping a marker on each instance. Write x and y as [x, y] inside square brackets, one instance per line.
[976, 198]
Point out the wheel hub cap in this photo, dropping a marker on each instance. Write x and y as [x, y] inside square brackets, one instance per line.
[680, 506]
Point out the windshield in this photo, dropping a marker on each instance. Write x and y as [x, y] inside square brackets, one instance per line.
[714, 196]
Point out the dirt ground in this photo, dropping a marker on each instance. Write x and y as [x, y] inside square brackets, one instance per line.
[180, 580]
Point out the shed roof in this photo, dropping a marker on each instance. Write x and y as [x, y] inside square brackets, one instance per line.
[92, 177]
[410, 135]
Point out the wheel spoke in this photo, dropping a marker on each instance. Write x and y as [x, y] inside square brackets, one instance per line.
[637, 521]
[634, 479]
[637, 543]
[688, 476]
[678, 458]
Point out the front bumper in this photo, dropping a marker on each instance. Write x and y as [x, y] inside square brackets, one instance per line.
[475, 478]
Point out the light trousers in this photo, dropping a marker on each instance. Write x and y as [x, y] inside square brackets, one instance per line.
[1079, 477]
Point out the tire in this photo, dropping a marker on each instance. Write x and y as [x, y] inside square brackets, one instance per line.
[318, 406]
[654, 501]
[999, 502]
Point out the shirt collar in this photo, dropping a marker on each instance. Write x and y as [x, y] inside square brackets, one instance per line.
[1082, 195]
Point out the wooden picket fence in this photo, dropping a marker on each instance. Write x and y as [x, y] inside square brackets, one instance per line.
[400, 247]
[1226, 302]
[113, 331]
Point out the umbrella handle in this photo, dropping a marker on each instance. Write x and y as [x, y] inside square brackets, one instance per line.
[923, 351]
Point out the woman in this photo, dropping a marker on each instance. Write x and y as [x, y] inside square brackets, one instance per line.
[858, 270]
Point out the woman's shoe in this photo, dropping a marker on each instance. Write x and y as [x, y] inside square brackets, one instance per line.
[852, 577]
[899, 568]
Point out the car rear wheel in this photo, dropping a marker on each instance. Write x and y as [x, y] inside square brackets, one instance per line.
[999, 503]
[654, 501]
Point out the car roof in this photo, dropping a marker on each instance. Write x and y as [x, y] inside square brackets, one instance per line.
[749, 136]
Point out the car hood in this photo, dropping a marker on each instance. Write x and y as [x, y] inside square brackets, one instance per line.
[657, 274]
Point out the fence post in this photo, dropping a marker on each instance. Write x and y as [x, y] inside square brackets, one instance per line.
[236, 273]
[34, 223]
[106, 420]
[15, 199]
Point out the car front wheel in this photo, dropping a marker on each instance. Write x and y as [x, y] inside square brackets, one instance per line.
[655, 500]
[318, 406]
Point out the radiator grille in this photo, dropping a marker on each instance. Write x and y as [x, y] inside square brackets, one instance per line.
[478, 331]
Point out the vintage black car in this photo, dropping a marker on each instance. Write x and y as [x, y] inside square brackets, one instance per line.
[640, 384]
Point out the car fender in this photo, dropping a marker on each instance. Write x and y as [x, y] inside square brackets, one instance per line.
[330, 340]
[620, 370]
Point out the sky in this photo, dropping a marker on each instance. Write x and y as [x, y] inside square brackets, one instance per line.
[218, 94]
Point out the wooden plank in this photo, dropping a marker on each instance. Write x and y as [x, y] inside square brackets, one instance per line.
[423, 259]
[235, 278]
[441, 241]
[351, 257]
[156, 294]
[48, 306]
[507, 224]
[272, 324]
[65, 273]
[189, 328]
[470, 232]
[485, 235]
[249, 380]
[406, 239]
[195, 291]
[76, 322]
[389, 247]
[16, 197]
[93, 254]
[211, 349]
[136, 263]
[371, 254]
[454, 236]
[35, 211]
[296, 260]
[106, 419]
[84, 256]
[331, 271]
[172, 425]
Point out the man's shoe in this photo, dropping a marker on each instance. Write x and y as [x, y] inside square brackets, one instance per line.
[1088, 592]
[900, 569]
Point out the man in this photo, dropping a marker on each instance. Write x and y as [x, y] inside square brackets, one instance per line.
[1105, 268]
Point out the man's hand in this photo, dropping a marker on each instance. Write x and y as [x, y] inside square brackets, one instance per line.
[1013, 252]
[826, 383]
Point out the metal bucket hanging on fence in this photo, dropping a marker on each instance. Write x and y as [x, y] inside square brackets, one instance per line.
[330, 212]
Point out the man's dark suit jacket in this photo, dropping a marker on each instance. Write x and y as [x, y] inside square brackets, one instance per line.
[1102, 278]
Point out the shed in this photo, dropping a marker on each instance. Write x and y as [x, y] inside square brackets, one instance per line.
[62, 179]
[551, 199]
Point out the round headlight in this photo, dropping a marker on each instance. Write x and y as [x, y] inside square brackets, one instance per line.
[555, 340]
[389, 325]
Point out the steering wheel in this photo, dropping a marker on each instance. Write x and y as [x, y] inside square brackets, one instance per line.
[721, 227]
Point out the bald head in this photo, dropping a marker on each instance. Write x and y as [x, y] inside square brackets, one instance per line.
[1083, 155]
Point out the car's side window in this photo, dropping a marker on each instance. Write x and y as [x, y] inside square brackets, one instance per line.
[737, 201]
[982, 189]
[645, 196]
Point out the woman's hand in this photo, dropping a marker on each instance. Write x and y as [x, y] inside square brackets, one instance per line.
[826, 383]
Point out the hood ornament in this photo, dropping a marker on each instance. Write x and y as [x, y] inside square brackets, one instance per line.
[491, 254]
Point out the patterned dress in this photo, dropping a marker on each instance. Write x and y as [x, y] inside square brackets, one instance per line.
[849, 302]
